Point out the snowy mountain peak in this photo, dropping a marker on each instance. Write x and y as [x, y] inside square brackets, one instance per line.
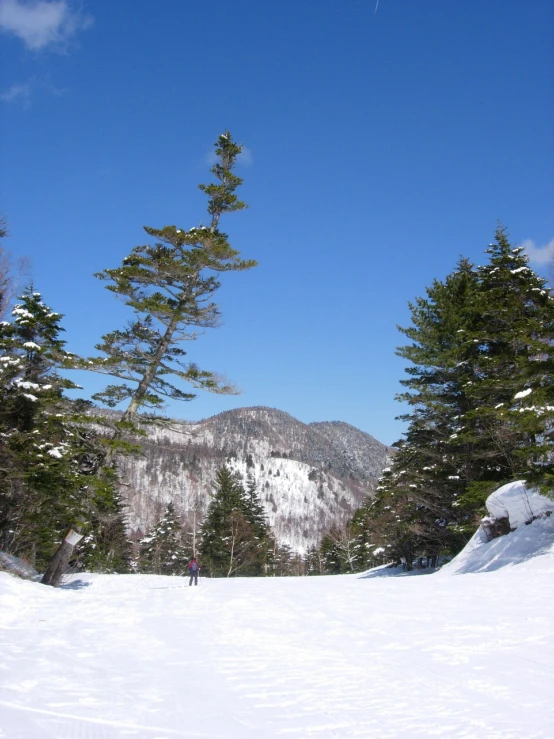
[310, 476]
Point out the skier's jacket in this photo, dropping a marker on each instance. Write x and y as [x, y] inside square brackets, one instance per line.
[193, 566]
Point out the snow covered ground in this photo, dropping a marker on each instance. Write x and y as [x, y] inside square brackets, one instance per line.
[436, 656]
[466, 652]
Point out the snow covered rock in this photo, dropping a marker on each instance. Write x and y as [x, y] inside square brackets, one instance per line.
[16, 566]
[528, 525]
[518, 504]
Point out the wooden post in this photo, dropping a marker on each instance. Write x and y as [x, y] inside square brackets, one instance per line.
[58, 564]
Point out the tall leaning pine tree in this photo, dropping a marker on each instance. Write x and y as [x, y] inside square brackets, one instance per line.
[170, 285]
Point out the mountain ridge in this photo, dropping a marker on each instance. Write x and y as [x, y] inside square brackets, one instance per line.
[310, 477]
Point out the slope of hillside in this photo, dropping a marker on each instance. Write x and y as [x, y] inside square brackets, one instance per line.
[458, 656]
[353, 449]
[310, 477]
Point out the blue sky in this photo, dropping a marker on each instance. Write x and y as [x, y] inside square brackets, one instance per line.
[382, 144]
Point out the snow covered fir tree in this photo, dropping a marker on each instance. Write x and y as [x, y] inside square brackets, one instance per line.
[480, 389]
[48, 458]
[162, 551]
[235, 537]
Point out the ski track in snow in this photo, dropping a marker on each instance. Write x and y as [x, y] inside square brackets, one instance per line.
[459, 656]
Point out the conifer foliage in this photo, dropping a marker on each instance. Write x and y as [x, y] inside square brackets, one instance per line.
[170, 285]
[481, 395]
[106, 547]
[235, 535]
[47, 459]
[338, 550]
[512, 396]
[345, 549]
[161, 550]
[254, 510]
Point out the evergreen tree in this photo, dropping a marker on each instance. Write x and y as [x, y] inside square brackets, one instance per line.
[482, 348]
[35, 444]
[286, 563]
[398, 525]
[170, 286]
[46, 457]
[414, 503]
[363, 546]
[313, 561]
[512, 393]
[256, 516]
[231, 542]
[338, 550]
[162, 551]
[254, 510]
[106, 546]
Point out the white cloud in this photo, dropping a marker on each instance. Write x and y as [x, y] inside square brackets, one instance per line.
[539, 254]
[21, 93]
[17, 94]
[41, 23]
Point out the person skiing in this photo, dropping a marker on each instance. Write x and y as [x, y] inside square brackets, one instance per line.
[193, 571]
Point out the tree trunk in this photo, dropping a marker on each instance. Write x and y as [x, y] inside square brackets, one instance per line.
[151, 371]
[58, 564]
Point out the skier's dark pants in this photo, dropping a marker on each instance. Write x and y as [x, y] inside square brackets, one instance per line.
[193, 576]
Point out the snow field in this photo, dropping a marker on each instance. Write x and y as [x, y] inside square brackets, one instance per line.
[354, 656]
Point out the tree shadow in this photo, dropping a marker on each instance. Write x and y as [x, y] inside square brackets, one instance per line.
[391, 571]
[75, 585]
